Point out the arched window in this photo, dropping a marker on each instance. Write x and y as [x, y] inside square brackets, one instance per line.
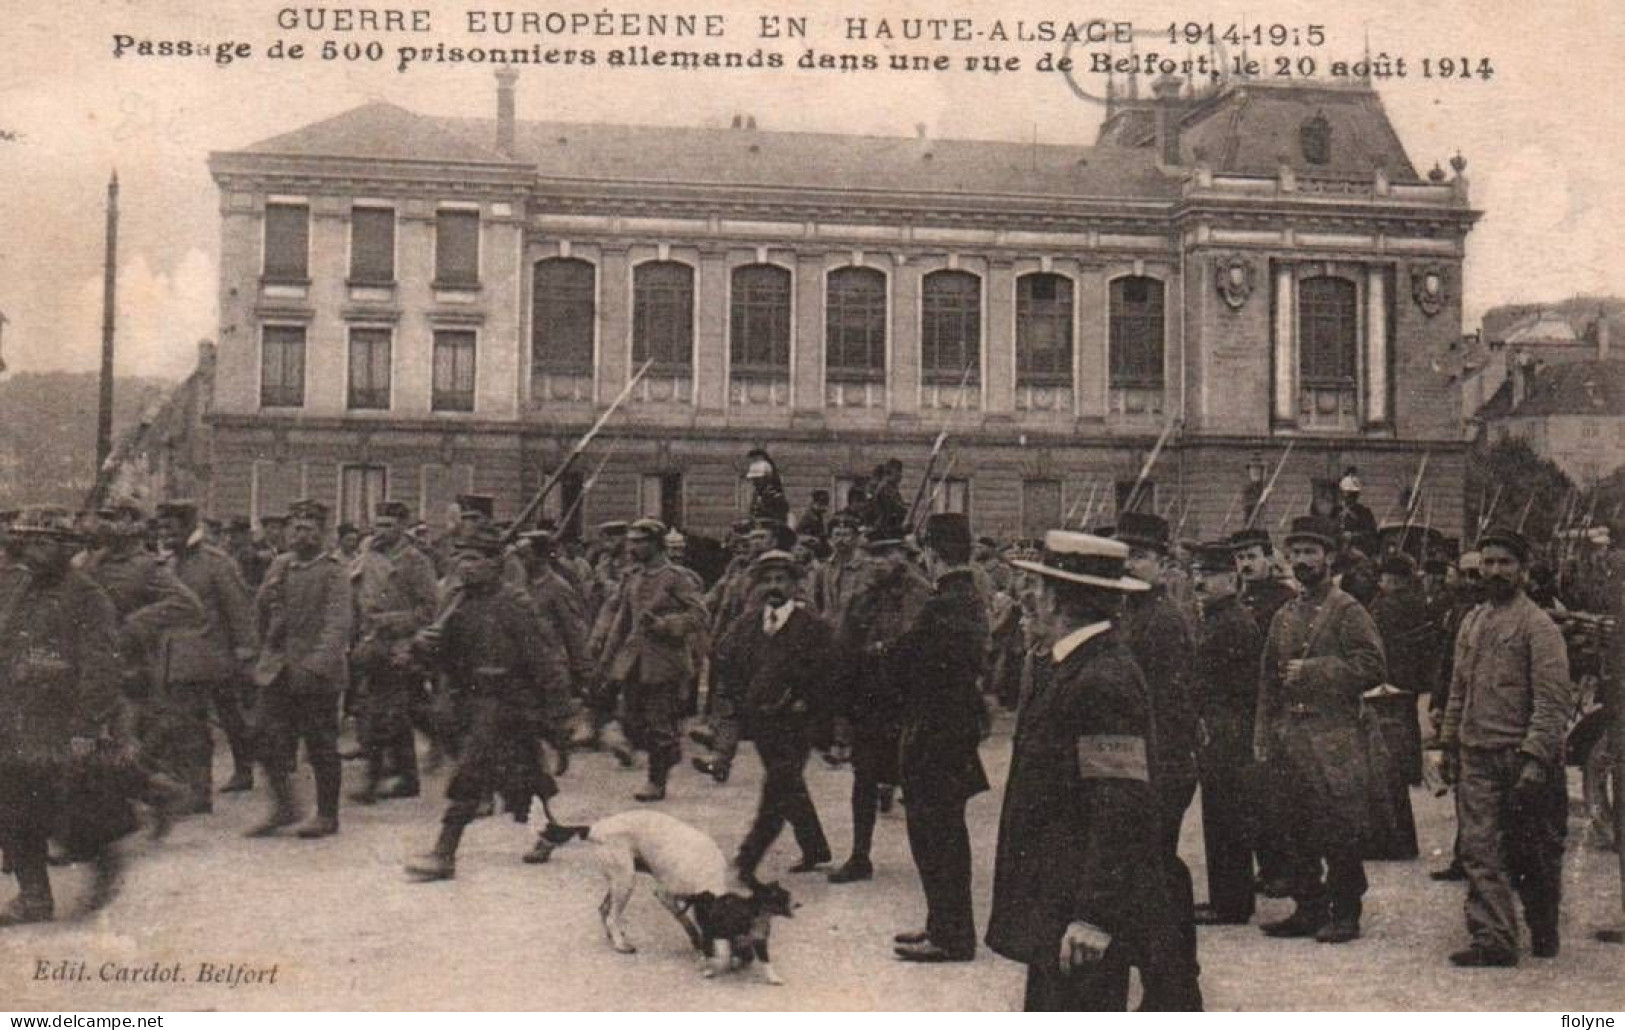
[950, 327]
[1136, 334]
[855, 325]
[759, 322]
[663, 315]
[563, 294]
[1043, 330]
[1328, 331]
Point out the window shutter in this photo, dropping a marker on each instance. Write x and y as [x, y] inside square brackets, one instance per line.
[287, 241]
[457, 248]
[372, 245]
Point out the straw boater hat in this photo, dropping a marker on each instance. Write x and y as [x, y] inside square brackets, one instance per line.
[1081, 558]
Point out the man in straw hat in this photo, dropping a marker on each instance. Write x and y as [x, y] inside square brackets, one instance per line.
[1080, 893]
[1323, 652]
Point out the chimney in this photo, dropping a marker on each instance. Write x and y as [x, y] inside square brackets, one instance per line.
[1524, 368]
[506, 77]
[1166, 91]
[1602, 336]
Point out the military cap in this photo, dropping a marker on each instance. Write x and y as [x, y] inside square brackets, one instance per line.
[393, 510]
[647, 529]
[615, 527]
[775, 559]
[1315, 529]
[469, 505]
[948, 528]
[1252, 536]
[1349, 484]
[273, 519]
[987, 541]
[820, 496]
[845, 519]
[1214, 556]
[48, 521]
[1085, 559]
[483, 540]
[1399, 564]
[884, 538]
[1144, 530]
[346, 527]
[540, 541]
[235, 524]
[214, 524]
[308, 509]
[120, 508]
[1507, 538]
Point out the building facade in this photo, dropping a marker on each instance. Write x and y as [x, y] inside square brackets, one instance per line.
[415, 306]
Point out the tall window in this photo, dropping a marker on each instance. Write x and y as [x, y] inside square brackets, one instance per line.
[287, 241]
[372, 245]
[759, 326]
[950, 326]
[282, 366]
[361, 488]
[663, 315]
[1328, 331]
[951, 495]
[855, 324]
[453, 370]
[457, 248]
[564, 295]
[660, 496]
[1043, 330]
[369, 368]
[1136, 333]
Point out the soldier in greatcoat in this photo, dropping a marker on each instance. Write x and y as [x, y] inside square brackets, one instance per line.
[937, 665]
[305, 618]
[1323, 652]
[1080, 892]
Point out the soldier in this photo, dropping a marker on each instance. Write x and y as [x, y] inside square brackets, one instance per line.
[646, 652]
[814, 522]
[1510, 702]
[507, 680]
[305, 617]
[559, 606]
[1229, 647]
[258, 557]
[1163, 645]
[887, 512]
[59, 696]
[730, 599]
[836, 580]
[1410, 645]
[768, 501]
[775, 664]
[1322, 654]
[1079, 874]
[1465, 594]
[937, 664]
[348, 537]
[1355, 521]
[868, 706]
[207, 663]
[395, 597]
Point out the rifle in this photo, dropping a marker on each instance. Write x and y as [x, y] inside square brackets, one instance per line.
[1067, 521]
[1269, 488]
[1150, 463]
[1524, 517]
[910, 523]
[1486, 514]
[508, 535]
[936, 491]
[1415, 500]
[587, 487]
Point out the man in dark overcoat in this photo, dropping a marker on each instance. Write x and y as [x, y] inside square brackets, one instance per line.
[937, 664]
[1080, 893]
[1322, 654]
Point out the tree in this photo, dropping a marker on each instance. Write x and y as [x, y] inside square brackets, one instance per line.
[1524, 480]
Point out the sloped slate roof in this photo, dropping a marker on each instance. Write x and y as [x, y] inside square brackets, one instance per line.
[738, 157]
[1248, 129]
[1576, 388]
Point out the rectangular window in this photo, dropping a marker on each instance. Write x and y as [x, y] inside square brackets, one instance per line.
[950, 327]
[361, 488]
[855, 325]
[453, 370]
[951, 495]
[844, 485]
[1043, 330]
[457, 249]
[1040, 507]
[564, 292]
[660, 496]
[759, 327]
[287, 242]
[663, 315]
[372, 245]
[282, 366]
[369, 369]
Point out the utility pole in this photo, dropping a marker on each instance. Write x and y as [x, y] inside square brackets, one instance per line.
[104, 411]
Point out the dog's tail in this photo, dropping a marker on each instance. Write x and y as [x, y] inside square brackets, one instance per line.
[559, 833]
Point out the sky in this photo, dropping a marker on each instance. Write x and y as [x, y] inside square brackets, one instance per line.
[1544, 138]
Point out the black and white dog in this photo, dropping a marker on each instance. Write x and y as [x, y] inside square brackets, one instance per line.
[690, 881]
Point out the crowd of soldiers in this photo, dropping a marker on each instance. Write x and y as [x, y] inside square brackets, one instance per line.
[1290, 687]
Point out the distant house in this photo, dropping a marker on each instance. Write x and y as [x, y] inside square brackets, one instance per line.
[167, 454]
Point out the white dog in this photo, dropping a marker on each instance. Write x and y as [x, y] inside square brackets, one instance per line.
[690, 881]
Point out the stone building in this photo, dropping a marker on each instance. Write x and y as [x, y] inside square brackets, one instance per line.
[414, 306]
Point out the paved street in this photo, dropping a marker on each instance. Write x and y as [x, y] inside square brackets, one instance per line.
[345, 930]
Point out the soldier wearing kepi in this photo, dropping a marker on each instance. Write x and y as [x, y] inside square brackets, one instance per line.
[59, 695]
[647, 652]
[937, 664]
[775, 663]
[1228, 649]
[1509, 706]
[1322, 654]
[507, 678]
[305, 617]
[1080, 893]
[207, 664]
[395, 597]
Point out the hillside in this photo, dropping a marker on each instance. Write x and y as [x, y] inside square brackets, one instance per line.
[48, 432]
[1580, 312]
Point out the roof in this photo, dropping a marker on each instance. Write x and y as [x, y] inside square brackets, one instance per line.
[738, 157]
[1247, 129]
[1577, 388]
[1546, 327]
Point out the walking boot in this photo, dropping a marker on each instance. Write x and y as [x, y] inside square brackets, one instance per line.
[858, 867]
[539, 854]
[1305, 921]
[1344, 925]
[400, 787]
[106, 879]
[33, 903]
[883, 797]
[368, 793]
[329, 781]
[715, 768]
[1483, 956]
[655, 789]
[441, 863]
[284, 812]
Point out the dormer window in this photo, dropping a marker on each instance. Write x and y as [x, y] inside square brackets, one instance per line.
[1316, 138]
